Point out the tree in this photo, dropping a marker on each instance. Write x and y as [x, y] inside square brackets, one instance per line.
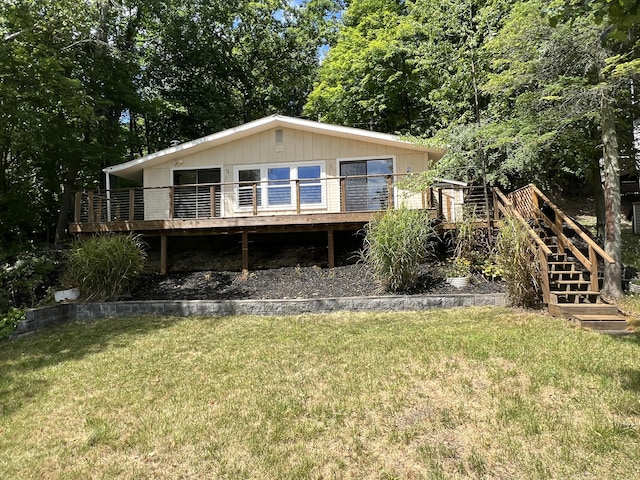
[370, 77]
[554, 81]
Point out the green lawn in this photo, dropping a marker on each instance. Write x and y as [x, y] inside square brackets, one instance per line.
[473, 393]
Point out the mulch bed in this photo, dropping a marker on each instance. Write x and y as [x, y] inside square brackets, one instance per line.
[290, 282]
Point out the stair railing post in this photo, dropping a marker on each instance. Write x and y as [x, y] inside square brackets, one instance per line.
[593, 270]
[544, 276]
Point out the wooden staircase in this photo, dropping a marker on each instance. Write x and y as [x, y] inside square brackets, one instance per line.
[571, 261]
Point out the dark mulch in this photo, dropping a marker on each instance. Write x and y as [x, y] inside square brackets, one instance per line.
[290, 282]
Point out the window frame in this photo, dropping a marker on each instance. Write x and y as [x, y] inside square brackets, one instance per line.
[339, 162]
[265, 184]
[196, 168]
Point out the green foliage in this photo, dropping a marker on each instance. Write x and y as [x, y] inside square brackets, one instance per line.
[395, 244]
[105, 266]
[25, 277]
[518, 265]
[9, 321]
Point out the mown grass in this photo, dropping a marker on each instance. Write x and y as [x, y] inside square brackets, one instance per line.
[473, 393]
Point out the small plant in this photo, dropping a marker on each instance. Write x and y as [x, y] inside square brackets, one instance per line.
[458, 267]
[105, 266]
[395, 244]
[9, 321]
[520, 267]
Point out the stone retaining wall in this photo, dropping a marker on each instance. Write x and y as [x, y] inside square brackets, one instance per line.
[40, 318]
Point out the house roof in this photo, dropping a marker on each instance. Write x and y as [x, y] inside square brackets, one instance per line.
[133, 168]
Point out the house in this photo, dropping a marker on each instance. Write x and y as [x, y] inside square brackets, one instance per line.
[275, 174]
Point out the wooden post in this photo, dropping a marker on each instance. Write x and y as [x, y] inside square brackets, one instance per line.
[390, 192]
[496, 210]
[343, 195]
[91, 217]
[245, 253]
[77, 210]
[594, 285]
[212, 200]
[544, 276]
[298, 196]
[132, 204]
[171, 206]
[163, 254]
[440, 207]
[254, 196]
[330, 249]
[99, 212]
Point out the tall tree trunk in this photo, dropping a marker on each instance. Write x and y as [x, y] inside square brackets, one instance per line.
[594, 182]
[612, 286]
[68, 187]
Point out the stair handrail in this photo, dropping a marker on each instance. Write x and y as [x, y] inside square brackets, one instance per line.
[505, 206]
[502, 204]
[570, 223]
[594, 250]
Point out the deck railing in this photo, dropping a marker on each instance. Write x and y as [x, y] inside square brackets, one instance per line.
[237, 199]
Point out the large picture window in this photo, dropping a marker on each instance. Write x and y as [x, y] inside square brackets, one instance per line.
[275, 185]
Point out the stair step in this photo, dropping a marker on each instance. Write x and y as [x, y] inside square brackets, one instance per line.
[567, 310]
[569, 296]
[600, 322]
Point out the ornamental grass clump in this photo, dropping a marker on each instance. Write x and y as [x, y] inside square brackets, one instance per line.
[395, 244]
[519, 267]
[105, 266]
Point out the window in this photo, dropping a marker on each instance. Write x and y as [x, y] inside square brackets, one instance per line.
[366, 183]
[276, 185]
[192, 193]
[247, 179]
[310, 186]
[279, 190]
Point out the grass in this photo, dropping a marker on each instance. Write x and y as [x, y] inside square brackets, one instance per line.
[473, 393]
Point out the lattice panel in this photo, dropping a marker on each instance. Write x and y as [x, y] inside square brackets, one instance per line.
[522, 200]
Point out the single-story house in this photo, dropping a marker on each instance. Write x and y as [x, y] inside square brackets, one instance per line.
[273, 174]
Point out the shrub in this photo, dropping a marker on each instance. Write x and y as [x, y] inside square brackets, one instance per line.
[9, 321]
[395, 244]
[24, 278]
[518, 265]
[105, 266]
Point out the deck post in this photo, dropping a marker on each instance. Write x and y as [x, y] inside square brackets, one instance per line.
[163, 254]
[330, 249]
[343, 195]
[77, 213]
[91, 217]
[297, 196]
[171, 206]
[390, 192]
[212, 200]
[254, 195]
[245, 253]
[132, 204]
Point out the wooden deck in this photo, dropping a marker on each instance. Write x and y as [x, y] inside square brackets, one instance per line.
[211, 226]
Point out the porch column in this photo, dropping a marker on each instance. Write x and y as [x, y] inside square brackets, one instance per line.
[245, 253]
[163, 254]
[330, 249]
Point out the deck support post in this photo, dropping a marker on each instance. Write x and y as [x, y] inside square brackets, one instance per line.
[245, 253]
[330, 249]
[163, 254]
